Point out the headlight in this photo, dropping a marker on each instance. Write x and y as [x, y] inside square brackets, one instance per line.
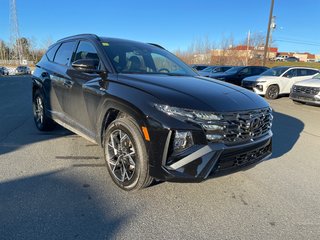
[188, 113]
[211, 123]
[259, 87]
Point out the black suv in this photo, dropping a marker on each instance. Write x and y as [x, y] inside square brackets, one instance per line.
[235, 75]
[153, 115]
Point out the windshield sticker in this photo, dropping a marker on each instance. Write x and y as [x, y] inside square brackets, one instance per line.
[105, 44]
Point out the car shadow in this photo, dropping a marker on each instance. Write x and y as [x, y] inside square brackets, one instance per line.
[17, 128]
[53, 206]
[286, 132]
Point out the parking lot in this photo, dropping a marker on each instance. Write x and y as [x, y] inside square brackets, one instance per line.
[55, 185]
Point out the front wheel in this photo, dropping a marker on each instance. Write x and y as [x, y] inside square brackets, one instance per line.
[272, 92]
[126, 156]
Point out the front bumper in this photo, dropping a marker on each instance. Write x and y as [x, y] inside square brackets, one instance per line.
[214, 159]
[307, 98]
[248, 84]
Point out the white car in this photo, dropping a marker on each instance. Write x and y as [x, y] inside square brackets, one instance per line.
[278, 80]
[307, 91]
[280, 58]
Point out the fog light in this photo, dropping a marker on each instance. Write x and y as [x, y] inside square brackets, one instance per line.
[214, 137]
[182, 140]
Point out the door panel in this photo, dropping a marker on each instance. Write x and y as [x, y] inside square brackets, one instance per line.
[77, 104]
[60, 80]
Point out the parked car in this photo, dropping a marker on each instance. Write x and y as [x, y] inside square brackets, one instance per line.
[280, 58]
[198, 67]
[154, 119]
[20, 70]
[235, 74]
[278, 80]
[208, 71]
[4, 71]
[307, 91]
[292, 59]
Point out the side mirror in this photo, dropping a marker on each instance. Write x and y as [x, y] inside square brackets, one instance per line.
[86, 65]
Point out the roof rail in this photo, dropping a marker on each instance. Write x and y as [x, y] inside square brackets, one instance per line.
[157, 45]
[80, 35]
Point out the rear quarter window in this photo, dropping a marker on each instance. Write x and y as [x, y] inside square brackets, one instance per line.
[312, 72]
[64, 53]
[51, 52]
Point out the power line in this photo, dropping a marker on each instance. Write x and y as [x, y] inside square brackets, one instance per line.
[297, 42]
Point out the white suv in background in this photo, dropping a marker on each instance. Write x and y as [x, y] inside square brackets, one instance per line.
[278, 80]
[307, 91]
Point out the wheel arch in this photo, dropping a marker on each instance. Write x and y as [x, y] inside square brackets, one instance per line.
[36, 85]
[112, 109]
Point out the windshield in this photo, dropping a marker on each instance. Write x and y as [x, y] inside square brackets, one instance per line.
[207, 69]
[233, 70]
[133, 57]
[276, 71]
[317, 76]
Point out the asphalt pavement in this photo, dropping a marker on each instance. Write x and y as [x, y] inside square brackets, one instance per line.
[55, 185]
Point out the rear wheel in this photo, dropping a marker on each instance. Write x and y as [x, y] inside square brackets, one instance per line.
[42, 121]
[272, 92]
[126, 156]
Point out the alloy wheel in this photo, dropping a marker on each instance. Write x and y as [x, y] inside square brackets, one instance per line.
[121, 156]
[273, 92]
[39, 110]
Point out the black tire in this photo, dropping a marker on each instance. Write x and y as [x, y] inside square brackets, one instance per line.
[132, 172]
[42, 121]
[272, 92]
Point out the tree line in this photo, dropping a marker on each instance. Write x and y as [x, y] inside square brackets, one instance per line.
[223, 51]
[23, 49]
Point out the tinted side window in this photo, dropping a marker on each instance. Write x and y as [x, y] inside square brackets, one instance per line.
[291, 73]
[86, 51]
[244, 71]
[257, 70]
[51, 52]
[64, 53]
[302, 72]
[311, 72]
[261, 70]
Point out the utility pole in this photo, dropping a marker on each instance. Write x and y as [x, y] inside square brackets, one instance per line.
[14, 31]
[248, 48]
[266, 46]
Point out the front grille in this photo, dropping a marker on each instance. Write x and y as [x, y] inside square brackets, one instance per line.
[229, 162]
[248, 84]
[244, 126]
[306, 90]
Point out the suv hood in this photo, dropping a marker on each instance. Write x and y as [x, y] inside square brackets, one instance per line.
[313, 82]
[217, 75]
[196, 92]
[258, 77]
